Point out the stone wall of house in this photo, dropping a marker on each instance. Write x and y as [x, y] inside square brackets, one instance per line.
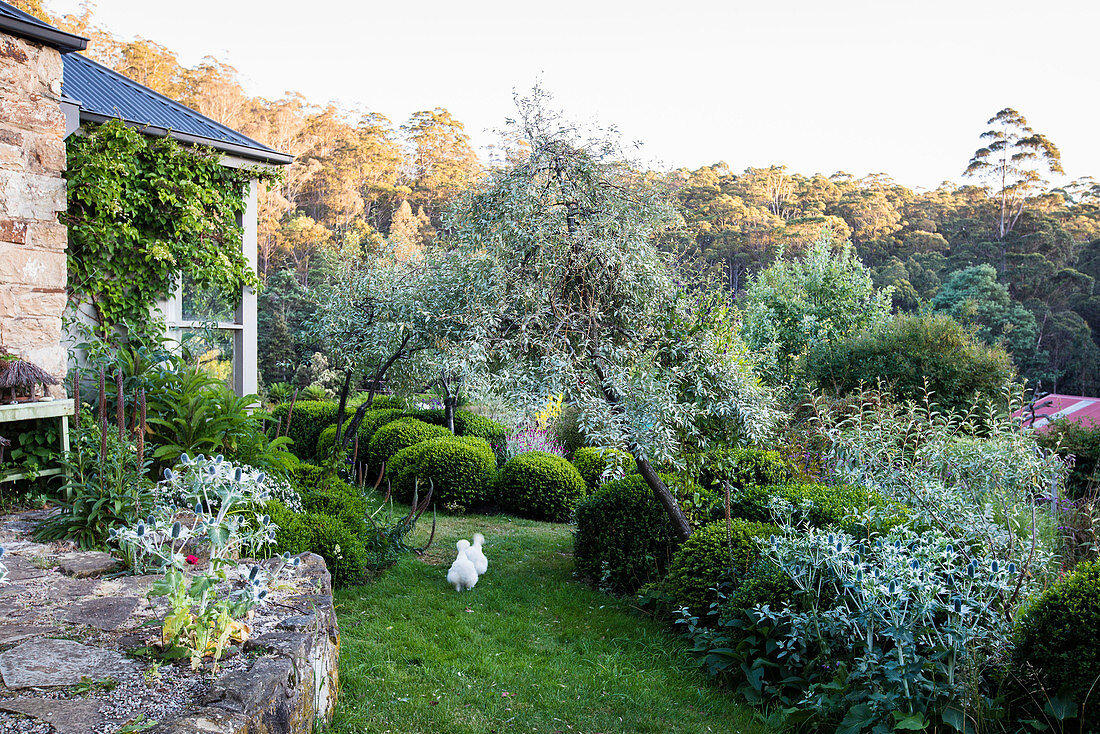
[32, 191]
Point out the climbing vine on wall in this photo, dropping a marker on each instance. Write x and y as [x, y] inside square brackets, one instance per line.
[140, 210]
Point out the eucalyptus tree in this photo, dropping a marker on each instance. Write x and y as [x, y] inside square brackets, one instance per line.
[1011, 164]
[572, 295]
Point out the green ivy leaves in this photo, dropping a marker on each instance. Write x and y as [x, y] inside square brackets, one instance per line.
[140, 210]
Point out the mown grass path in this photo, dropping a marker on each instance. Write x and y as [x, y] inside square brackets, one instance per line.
[527, 650]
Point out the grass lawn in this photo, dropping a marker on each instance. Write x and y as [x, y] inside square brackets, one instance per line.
[527, 650]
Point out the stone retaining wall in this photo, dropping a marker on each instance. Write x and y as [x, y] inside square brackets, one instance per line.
[288, 690]
[33, 268]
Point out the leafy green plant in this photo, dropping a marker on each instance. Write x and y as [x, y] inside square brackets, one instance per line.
[461, 469]
[622, 540]
[1055, 656]
[1079, 441]
[743, 467]
[711, 556]
[106, 485]
[399, 434]
[36, 447]
[201, 622]
[139, 206]
[304, 423]
[600, 465]
[280, 392]
[817, 505]
[540, 486]
[192, 412]
[313, 392]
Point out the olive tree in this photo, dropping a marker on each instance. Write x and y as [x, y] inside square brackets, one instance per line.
[569, 293]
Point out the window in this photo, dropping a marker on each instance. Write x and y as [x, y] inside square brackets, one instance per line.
[220, 332]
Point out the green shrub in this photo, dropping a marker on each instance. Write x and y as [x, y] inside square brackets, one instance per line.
[381, 402]
[1056, 640]
[325, 535]
[820, 505]
[310, 417]
[705, 560]
[478, 426]
[744, 468]
[307, 477]
[540, 486]
[399, 434]
[910, 352]
[461, 468]
[566, 430]
[623, 537]
[325, 442]
[762, 582]
[336, 498]
[591, 462]
[371, 422]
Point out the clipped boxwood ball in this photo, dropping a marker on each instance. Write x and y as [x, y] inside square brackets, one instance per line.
[624, 539]
[1057, 639]
[460, 468]
[325, 535]
[819, 505]
[744, 468]
[540, 486]
[399, 434]
[309, 418]
[705, 560]
[591, 463]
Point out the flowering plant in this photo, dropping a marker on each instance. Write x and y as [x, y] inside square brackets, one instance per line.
[531, 438]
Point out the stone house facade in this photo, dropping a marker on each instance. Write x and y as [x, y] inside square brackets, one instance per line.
[32, 190]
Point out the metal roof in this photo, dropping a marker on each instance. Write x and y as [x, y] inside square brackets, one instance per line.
[104, 94]
[1043, 411]
[16, 22]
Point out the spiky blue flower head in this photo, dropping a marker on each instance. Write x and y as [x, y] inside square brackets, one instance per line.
[914, 564]
[995, 566]
[971, 569]
[265, 520]
[169, 474]
[140, 529]
[893, 586]
[832, 538]
[260, 478]
[237, 475]
[958, 605]
[286, 556]
[151, 520]
[839, 547]
[1011, 568]
[198, 508]
[176, 530]
[859, 575]
[200, 458]
[219, 459]
[253, 573]
[950, 549]
[184, 458]
[296, 562]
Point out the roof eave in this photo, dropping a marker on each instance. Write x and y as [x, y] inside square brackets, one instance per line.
[262, 156]
[62, 41]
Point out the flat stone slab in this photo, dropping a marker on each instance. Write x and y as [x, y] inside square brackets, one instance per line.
[11, 633]
[107, 613]
[86, 564]
[20, 569]
[52, 662]
[65, 716]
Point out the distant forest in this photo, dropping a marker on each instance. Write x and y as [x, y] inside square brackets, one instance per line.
[1006, 254]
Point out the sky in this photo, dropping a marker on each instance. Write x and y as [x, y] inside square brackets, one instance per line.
[902, 87]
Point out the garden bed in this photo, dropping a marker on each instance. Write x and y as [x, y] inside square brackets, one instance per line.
[73, 634]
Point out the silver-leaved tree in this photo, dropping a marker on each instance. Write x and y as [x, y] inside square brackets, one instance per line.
[567, 292]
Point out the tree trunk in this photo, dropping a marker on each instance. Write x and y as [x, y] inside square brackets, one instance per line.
[680, 525]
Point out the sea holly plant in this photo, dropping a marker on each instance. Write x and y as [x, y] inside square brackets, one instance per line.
[204, 618]
[877, 631]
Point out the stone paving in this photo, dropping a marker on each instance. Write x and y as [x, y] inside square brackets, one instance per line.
[68, 620]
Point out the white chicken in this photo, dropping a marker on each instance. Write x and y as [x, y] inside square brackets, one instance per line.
[463, 574]
[476, 555]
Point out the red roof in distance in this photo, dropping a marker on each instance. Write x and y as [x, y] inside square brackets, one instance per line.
[1077, 408]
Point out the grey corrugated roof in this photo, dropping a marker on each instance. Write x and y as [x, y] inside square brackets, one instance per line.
[105, 94]
[17, 22]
